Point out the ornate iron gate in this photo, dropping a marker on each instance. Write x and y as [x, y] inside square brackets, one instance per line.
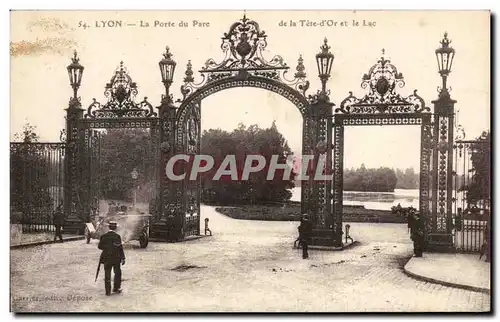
[91, 169]
[36, 184]
[472, 193]
[244, 65]
[381, 106]
[176, 130]
[119, 112]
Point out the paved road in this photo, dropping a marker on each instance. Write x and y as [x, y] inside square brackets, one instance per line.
[246, 266]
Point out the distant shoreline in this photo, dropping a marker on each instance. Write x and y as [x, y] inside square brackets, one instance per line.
[291, 211]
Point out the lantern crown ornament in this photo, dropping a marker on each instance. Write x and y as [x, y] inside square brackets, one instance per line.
[167, 68]
[444, 56]
[75, 73]
[324, 60]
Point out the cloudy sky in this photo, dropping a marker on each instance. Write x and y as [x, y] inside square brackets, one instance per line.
[42, 42]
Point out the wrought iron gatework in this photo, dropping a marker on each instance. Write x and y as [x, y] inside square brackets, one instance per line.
[243, 65]
[121, 111]
[382, 105]
[121, 92]
[382, 98]
[176, 128]
[472, 194]
[36, 184]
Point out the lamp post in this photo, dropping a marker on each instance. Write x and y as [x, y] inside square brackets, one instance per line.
[324, 61]
[74, 112]
[75, 73]
[167, 112]
[167, 69]
[440, 236]
[444, 56]
[321, 112]
[134, 174]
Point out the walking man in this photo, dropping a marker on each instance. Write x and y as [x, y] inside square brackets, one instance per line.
[305, 232]
[58, 220]
[112, 256]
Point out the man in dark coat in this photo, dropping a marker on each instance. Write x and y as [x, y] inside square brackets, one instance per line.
[417, 231]
[305, 232]
[112, 256]
[58, 222]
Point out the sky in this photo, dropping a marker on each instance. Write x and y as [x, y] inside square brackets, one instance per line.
[42, 43]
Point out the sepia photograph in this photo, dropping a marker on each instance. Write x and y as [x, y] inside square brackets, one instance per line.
[245, 161]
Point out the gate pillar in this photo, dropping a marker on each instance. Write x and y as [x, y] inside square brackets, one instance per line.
[73, 222]
[440, 237]
[319, 181]
[165, 203]
[73, 219]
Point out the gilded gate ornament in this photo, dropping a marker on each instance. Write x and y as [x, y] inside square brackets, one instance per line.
[381, 81]
[121, 92]
[382, 106]
[243, 46]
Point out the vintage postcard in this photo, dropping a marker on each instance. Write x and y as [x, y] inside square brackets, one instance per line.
[250, 161]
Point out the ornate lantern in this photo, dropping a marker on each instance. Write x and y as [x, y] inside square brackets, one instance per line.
[445, 55]
[75, 72]
[167, 68]
[324, 60]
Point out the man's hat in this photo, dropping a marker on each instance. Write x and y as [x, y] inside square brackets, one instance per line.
[113, 224]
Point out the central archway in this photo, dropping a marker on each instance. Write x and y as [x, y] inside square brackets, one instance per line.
[243, 65]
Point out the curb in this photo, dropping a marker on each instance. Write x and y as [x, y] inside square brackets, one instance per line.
[332, 248]
[46, 242]
[187, 239]
[444, 283]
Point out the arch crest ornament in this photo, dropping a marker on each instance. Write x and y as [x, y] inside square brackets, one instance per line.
[242, 48]
[121, 92]
[382, 98]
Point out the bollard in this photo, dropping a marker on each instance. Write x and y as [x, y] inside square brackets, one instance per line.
[206, 227]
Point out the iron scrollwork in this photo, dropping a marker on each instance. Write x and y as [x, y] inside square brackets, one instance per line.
[121, 92]
[243, 46]
[382, 80]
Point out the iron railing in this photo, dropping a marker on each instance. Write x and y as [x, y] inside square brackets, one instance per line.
[472, 194]
[36, 184]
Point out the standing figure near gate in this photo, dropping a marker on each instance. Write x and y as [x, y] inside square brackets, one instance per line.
[305, 232]
[112, 256]
[58, 220]
[417, 231]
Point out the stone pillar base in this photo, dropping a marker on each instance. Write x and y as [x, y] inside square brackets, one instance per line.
[440, 242]
[323, 237]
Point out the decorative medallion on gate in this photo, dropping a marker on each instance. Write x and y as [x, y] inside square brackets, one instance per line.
[382, 80]
[121, 92]
[243, 46]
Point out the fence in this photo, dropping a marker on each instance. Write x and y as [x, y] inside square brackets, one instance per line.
[472, 194]
[36, 184]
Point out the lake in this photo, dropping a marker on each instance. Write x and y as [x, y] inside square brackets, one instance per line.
[375, 200]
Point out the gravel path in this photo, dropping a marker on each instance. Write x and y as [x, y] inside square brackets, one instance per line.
[246, 266]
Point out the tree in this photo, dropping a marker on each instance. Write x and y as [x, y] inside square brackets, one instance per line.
[378, 180]
[480, 186]
[407, 179]
[122, 151]
[242, 142]
[28, 134]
